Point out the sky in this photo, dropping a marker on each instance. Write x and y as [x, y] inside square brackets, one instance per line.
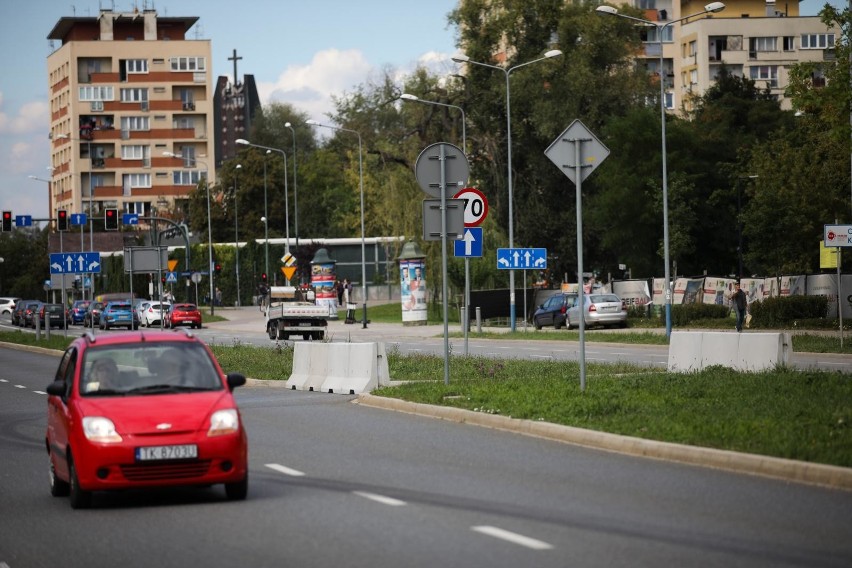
[300, 52]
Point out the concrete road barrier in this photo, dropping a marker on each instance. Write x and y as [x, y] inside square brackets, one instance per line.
[343, 368]
[694, 350]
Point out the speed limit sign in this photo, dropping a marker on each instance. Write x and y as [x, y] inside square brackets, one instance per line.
[475, 206]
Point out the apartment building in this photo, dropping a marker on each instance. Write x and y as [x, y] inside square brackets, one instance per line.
[125, 88]
[758, 39]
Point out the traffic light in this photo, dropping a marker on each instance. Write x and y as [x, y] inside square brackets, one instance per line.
[62, 220]
[217, 268]
[7, 221]
[111, 219]
[163, 280]
[263, 277]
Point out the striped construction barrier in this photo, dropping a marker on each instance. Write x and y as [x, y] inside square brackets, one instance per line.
[343, 368]
[694, 350]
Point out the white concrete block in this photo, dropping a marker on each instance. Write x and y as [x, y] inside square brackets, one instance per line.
[693, 351]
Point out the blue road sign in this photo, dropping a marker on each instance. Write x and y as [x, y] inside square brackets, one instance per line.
[470, 245]
[75, 262]
[171, 277]
[130, 218]
[23, 220]
[78, 218]
[522, 258]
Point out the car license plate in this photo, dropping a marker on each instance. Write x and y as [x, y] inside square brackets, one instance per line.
[149, 453]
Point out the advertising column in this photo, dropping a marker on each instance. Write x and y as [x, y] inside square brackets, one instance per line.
[412, 280]
[323, 277]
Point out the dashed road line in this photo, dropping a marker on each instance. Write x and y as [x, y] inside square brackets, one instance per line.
[380, 499]
[285, 470]
[514, 538]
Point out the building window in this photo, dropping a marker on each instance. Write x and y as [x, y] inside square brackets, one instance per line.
[817, 41]
[789, 43]
[188, 64]
[134, 95]
[763, 44]
[693, 48]
[768, 73]
[135, 123]
[95, 93]
[134, 152]
[652, 34]
[137, 180]
[137, 65]
[183, 177]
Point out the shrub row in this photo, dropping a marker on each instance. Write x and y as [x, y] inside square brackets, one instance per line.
[784, 311]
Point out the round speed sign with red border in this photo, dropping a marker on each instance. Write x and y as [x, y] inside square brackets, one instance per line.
[475, 206]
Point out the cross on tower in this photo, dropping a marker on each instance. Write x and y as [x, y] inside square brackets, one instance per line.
[234, 58]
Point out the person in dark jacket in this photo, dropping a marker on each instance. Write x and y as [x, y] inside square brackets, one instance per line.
[740, 304]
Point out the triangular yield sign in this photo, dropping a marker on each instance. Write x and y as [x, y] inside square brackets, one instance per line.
[172, 265]
[288, 271]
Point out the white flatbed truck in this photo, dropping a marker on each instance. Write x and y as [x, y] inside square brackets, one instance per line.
[293, 311]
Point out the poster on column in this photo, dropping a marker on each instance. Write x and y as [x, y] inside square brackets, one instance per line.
[412, 280]
[322, 279]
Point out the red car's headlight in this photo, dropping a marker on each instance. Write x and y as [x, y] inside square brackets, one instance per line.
[224, 422]
[100, 429]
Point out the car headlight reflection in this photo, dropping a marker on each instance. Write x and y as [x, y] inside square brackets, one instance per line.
[224, 422]
[100, 429]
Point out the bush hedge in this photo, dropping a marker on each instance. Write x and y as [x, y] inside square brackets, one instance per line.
[785, 311]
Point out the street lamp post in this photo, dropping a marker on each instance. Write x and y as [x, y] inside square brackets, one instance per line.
[661, 28]
[237, 231]
[286, 204]
[209, 229]
[295, 186]
[461, 58]
[363, 241]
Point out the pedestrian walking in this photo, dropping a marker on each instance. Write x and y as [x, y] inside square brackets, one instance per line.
[739, 303]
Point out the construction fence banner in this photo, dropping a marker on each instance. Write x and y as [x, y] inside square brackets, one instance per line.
[634, 293]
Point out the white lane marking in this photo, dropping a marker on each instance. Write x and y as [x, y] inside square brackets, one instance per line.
[380, 499]
[285, 470]
[3, 381]
[37, 392]
[20, 386]
[514, 538]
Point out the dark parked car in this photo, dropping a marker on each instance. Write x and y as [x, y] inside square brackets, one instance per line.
[93, 314]
[554, 310]
[18, 311]
[118, 314]
[55, 314]
[78, 311]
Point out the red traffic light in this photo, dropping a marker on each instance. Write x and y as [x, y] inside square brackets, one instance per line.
[217, 268]
[62, 220]
[111, 219]
[263, 276]
[7, 221]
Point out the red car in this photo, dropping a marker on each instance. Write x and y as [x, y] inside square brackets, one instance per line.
[143, 409]
[183, 314]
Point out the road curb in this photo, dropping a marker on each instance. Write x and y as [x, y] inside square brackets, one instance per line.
[831, 476]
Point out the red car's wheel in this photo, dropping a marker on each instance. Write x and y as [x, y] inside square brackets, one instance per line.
[58, 487]
[80, 499]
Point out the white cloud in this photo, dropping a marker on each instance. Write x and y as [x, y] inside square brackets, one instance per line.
[31, 117]
[310, 87]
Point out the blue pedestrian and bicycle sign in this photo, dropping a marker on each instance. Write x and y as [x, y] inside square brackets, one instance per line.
[75, 262]
[522, 258]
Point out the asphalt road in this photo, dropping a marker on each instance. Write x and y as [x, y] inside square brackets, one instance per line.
[338, 484]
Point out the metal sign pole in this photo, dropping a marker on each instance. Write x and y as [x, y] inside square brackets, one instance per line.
[444, 287]
[580, 301]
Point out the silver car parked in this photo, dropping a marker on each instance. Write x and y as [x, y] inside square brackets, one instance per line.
[600, 309]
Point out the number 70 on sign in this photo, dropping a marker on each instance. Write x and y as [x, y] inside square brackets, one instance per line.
[475, 206]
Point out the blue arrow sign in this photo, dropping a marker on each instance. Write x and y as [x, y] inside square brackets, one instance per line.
[130, 218]
[23, 220]
[75, 262]
[522, 258]
[78, 218]
[470, 245]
